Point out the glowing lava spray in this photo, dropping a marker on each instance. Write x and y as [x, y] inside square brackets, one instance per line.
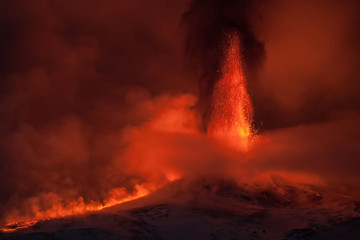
[231, 119]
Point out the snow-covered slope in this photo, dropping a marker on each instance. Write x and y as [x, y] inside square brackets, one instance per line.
[210, 208]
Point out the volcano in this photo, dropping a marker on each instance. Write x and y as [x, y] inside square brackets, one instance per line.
[199, 119]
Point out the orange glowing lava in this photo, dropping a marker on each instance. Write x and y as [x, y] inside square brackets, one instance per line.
[232, 110]
[117, 196]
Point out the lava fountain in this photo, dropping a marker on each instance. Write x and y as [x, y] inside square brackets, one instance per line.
[231, 119]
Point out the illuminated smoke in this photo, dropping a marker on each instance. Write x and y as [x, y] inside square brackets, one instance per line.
[150, 153]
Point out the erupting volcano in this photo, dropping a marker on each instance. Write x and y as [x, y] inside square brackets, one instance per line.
[230, 122]
[149, 130]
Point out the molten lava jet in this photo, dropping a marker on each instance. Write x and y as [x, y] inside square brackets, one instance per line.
[231, 119]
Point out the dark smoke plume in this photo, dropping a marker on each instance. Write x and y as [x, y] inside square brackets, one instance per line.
[207, 24]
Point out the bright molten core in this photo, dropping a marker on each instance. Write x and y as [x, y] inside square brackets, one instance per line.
[232, 110]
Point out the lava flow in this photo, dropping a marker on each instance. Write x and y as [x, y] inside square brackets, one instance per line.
[232, 109]
[117, 196]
